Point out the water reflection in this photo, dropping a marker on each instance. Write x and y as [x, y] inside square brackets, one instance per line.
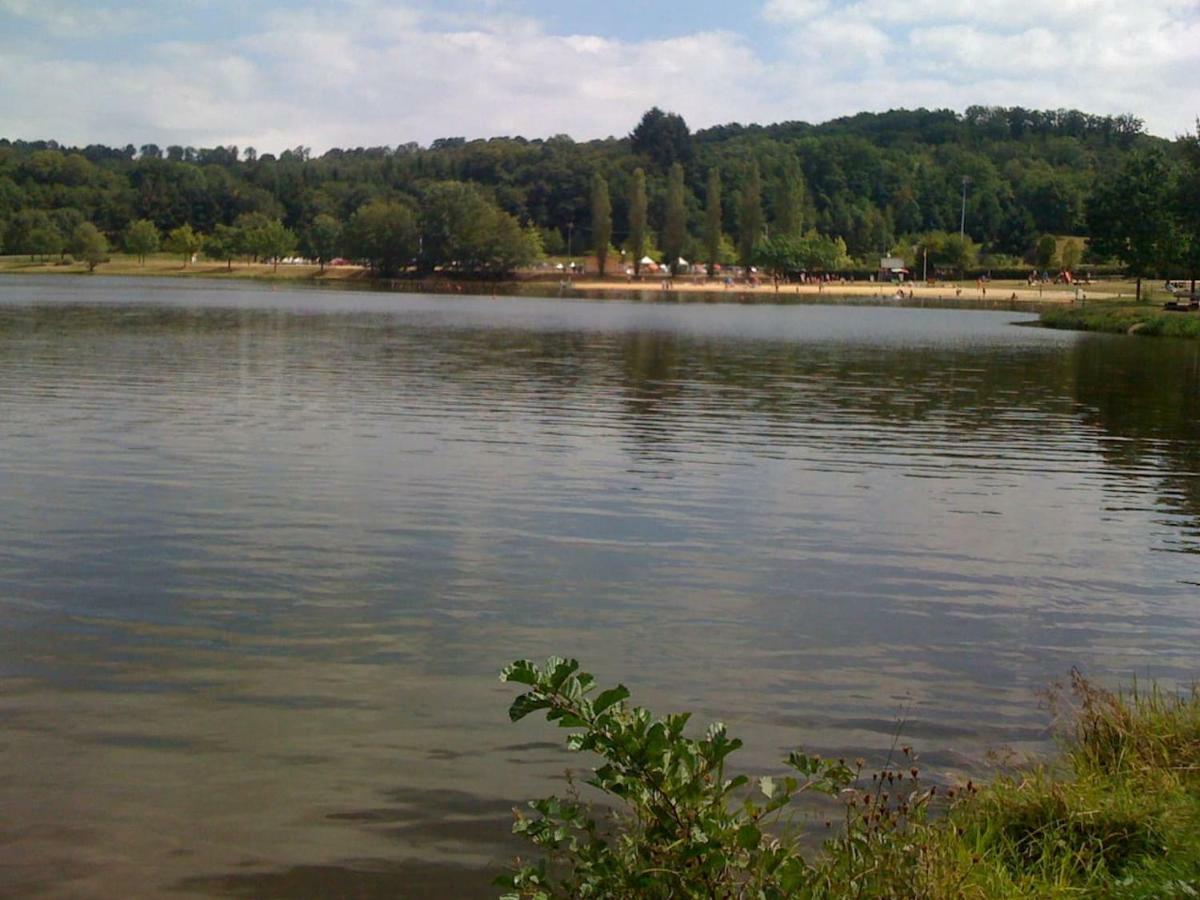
[263, 553]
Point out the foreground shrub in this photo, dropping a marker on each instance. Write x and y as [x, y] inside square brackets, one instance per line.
[1118, 816]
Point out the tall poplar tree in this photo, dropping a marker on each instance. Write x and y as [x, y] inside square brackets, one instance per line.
[750, 220]
[637, 219]
[791, 201]
[675, 225]
[712, 220]
[601, 221]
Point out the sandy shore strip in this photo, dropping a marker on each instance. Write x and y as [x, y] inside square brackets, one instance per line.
[1017, 292]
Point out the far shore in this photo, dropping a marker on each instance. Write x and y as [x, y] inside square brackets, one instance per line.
[765, 290]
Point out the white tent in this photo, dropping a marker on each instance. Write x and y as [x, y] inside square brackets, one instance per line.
[647, 261]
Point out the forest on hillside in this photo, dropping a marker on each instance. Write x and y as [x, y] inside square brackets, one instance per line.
[868, 185]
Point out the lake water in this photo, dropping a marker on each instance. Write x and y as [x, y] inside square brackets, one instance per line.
[263, 552]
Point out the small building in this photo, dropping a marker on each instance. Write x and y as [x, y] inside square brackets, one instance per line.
[892, 268]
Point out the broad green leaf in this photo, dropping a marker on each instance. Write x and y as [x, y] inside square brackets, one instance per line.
[610, 697]
[525, 704]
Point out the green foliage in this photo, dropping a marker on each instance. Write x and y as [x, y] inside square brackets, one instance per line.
[141, 239]
[1124, 821]
[662, 137]
[322, 239]
[462, 231]
[1072, 254]
[1117, 318]
[863, 179]
[602, 225]
[383, 234]
[1130, 216]
[637, 219]
[712, 221]
[787, 255]
[750, 216]
[184, 241]
[946, 251]
[790, 202]
[89, 245]
[674, 228]
[265, 239]
[684, 829]
[1046, 253]
[224, 244]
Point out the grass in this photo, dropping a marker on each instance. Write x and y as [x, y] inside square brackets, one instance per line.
[1149, 320]
[170, 265]
[1118, 815]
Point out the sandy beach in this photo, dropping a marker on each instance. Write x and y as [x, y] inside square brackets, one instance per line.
[992, 292]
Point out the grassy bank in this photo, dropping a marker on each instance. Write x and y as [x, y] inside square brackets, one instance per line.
[1149, 320]
[167, 265]
[1117, 814]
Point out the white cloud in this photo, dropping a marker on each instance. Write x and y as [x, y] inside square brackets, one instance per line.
[363, 72]
[1102, 56]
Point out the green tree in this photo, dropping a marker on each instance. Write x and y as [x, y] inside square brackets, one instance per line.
[141, 239]
[384, 234]
[270, 241]
[750, 220]
[184, 241]
[1046, 252]
[34, 232]
[637, 219]
[458, 227]
[224, 244]
[1187, 204]
[601, 221]
[44, 240]
[89, 245]
[675, 225]
[1129, 215]
[663, 137]
[1072, 253]
[322, 239]
[712, 221]
[791, 201]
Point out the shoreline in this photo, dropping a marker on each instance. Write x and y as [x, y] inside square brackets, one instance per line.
[968, 294]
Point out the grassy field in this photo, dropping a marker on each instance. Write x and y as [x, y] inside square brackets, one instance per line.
[164, 264]
[1145, 319]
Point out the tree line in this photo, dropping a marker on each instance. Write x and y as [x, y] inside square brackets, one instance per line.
[785, 196]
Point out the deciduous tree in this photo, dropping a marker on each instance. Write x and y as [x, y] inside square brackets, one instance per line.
[1129, 215]
[601, 221]
[89, 245]
[675, 225]
[637, 219]
[184, 241]
[141, 238]
[712, 220]
[384, 234]
[322, 239]
[750, 220]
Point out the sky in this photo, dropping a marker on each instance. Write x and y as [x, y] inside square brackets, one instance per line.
[350, 73]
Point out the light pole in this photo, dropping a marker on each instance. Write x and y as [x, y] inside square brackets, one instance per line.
[570, 262]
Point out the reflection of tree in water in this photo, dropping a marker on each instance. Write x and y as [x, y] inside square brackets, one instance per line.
[1146, 393]
[673, 390]
[651, 390]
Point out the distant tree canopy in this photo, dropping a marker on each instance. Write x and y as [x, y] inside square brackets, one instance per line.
[662, 137]
[877, 182]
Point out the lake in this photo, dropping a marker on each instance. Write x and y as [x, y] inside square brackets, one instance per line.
[264, 551]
